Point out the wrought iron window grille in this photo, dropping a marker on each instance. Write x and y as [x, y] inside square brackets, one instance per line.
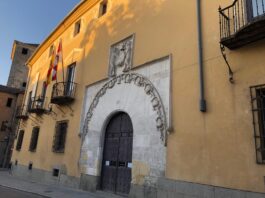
[60, 137]
[34, 139]
[258, 113]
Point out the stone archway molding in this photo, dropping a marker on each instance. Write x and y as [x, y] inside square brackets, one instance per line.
[149, 89]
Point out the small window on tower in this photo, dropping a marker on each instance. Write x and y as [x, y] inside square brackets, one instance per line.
[77, 27]
[9, 102]
[24, 51]
[103, 8]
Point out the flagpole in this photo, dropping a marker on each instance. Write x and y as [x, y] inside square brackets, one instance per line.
[62, 59]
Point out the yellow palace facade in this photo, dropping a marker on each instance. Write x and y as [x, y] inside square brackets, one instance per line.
[158, 98]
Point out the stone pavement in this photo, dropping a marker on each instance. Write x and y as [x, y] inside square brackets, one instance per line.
[52, 191]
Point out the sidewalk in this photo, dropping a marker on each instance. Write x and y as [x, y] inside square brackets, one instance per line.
[9, 181]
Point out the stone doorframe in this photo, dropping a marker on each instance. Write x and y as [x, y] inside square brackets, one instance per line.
[144, 95]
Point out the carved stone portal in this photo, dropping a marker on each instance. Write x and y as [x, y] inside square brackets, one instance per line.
[148, 88]
[121, 57]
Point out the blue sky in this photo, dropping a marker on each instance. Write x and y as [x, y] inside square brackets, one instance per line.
[27, 21]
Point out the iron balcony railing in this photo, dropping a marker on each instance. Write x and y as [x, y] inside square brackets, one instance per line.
[239, 15]
[37, 105]
[63, 92]
[22, 112]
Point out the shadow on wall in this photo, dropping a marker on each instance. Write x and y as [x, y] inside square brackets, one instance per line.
[119, 21]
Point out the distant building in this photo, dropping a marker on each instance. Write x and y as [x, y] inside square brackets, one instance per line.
[10, 99]
[21, 52]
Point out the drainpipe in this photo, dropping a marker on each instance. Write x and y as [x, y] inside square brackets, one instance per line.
[200, 55]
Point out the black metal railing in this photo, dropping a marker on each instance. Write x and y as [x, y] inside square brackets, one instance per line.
[63, 92]
[238, 15]
[37, 105]
[22, 112]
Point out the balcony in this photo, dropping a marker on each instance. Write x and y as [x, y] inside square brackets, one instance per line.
[63, 93]
[37, 105]
[242, 22]
[22, 113]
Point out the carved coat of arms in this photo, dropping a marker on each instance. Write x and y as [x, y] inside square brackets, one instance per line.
[121, 56]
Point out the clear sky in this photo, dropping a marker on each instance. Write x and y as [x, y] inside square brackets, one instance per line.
[27, 21]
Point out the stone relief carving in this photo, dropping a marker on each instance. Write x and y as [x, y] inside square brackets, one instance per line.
[121, 56]
[148, 88]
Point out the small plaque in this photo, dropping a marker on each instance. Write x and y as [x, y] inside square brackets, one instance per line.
[129, 165]
[107, 163]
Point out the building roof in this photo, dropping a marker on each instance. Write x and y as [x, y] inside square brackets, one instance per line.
[10, 90]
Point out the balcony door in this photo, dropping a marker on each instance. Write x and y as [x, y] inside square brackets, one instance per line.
[69, 84]
[255, 8]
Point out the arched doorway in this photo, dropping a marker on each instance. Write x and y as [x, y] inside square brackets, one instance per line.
[117, 155]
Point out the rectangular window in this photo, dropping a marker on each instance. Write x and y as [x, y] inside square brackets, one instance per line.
[4, 125]
[43, 91]
[29, 101]
[34, 139]
[20, 140]
[258, 110]
[103, 8]
[24, 51]
[255, 8]
[69, 86]
[55, 172]
[77, 27]
[51, 50]
[9, 102]
[60, 136]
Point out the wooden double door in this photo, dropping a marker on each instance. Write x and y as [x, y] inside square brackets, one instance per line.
[117, 155]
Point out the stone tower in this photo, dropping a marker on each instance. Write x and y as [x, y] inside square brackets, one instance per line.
[18, 74]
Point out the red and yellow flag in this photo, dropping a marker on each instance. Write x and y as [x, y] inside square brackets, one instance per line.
[50, 70]
[58, 59]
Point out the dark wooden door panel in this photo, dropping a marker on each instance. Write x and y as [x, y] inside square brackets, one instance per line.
[109, 178]
[117, 155]
[123, 180]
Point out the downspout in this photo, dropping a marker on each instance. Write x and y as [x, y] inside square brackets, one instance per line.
[203, 107]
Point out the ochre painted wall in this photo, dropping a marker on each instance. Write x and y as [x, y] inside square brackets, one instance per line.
[216, 147]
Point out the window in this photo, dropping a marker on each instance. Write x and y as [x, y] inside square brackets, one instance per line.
[20, 140]
[55, 172]
[69, 88]
[60, 136]
[34, 139]
[24, 84]
[29, 101]
[9, 102]
[24, 51]
[30, 166]
[255, 8]
[43, 91]
[51, 51]
[77, 27]
[258, 110]
[103, 8]
[4, 125]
